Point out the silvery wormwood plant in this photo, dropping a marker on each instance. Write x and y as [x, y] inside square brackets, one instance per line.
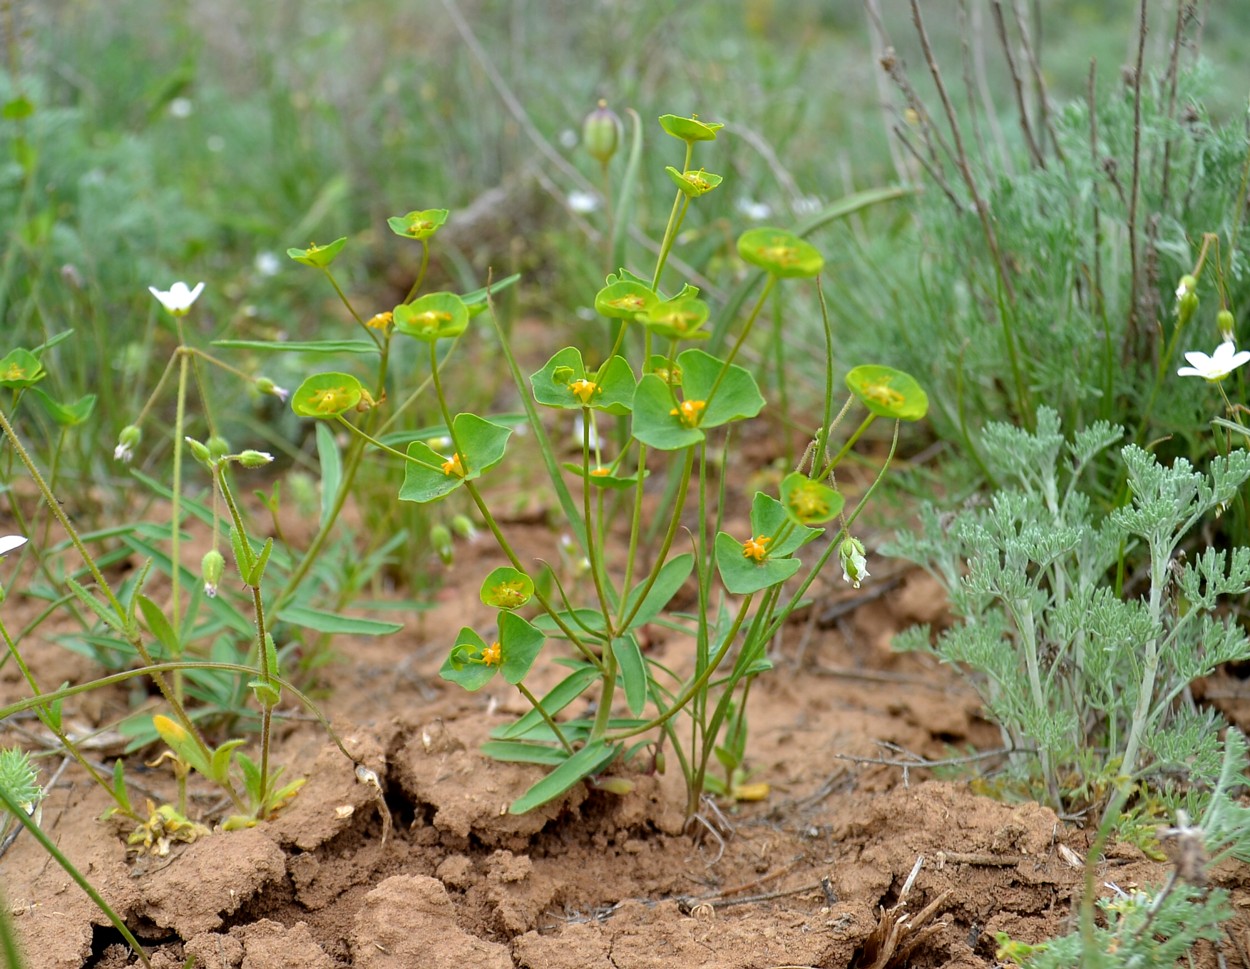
[1074, 659]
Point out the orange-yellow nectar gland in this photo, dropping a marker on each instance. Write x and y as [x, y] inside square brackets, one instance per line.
[380, 321]
[808, 503]
[628, 303]
[452, 466]
[15, 372]
[492, 655]
[431, 319]
[584, 389]
[755, 548]
[600, 472]
[509, 595]
[688, 412]
[883, 394]
[783, 255]
[329, 400]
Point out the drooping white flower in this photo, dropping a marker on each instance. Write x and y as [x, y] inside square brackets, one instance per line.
[1219, 365]
[9, 543]
[854, 562]
[178, 298]
[123, 453]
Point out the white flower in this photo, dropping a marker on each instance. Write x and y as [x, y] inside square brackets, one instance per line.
[123, 453]
[854, 564]
[583, 202]
[753, 210]
[181, 108]
[1224, 361]
[9, 543]
[267, 263]
[179, 298]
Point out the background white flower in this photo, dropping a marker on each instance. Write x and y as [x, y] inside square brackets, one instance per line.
[1219, 365]
[178, 298]
[10, 542]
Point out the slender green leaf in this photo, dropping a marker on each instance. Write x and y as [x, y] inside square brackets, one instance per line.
[331, 470]
[516, 751]
[329, 622]
[633, 671]
[300, 346]
[674, 572]
[595, 756]
[560, 696]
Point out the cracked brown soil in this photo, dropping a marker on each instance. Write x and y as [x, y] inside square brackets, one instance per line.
[593, 880]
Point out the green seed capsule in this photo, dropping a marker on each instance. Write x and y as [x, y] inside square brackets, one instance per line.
[601, 133]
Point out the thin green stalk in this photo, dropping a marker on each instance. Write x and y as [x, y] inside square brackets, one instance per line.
[62, 738]
[593, 553]
[106, 590]
[346, 302]
[746, 329]
[667, 544]
[850, 443]
[175, 506]
[547, 718]
[695, 685]
[1150, 663]
[832, 548]
[48, 845]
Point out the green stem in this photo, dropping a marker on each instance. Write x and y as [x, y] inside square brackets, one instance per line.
[48, 845]
[547, 718]
[695, 685]
[746, 329]
[850, 443]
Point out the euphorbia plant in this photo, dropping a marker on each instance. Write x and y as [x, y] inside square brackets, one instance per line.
[679, 403]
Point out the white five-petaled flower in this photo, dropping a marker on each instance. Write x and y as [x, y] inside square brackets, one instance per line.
[123, 453]
[179, 297]
[9, 543]
[1219, 365]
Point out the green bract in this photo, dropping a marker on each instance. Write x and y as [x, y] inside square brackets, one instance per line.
[808, 502]
[431, 475]
[708, 400]
[417, 225]
[20, 368]
[507, 588]
[694, 183]
[763, 558]
[67, 415]
[327, 395]
[677, 319]
[624, 300]
[888, 392]
[472, 663]
[690, 129]
[318, 256]
[564, 382]
[602, 477]
[780, 252]
[435, 316]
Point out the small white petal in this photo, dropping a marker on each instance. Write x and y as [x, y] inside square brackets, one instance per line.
[10, 542]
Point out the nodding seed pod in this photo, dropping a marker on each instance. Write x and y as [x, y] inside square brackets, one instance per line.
[440, 538]
[601, 133]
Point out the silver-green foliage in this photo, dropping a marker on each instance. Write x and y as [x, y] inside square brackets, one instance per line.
[1092, 679]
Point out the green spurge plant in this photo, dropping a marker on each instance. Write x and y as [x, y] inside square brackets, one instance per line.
[676, 407]
[1085, 670]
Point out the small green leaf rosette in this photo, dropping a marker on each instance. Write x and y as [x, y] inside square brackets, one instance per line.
[677, 319]
[319, 257]
[431, 475]
[661, 422]
[694, 183]
[765, 558]
[780, 252]
[434, 316]
[418, 225]
[808, 502]
[20, 369]
[888, 392]
[563, 382]
[624, 299]
[507, 588]
[326, 395]
[472, 663]
[690, 129]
